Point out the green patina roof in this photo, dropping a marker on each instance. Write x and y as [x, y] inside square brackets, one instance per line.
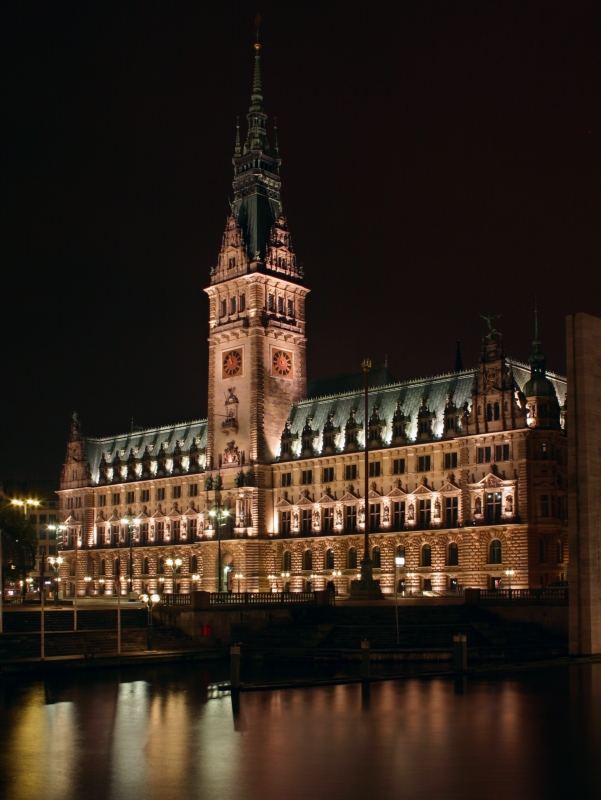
[168, 435]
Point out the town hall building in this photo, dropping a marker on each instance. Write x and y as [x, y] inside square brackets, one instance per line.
[466, 470]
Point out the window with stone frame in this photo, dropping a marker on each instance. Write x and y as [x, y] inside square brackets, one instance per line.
[452, 554]
[306, 477]
[398, 466]
[426, 556]
[307, 560]
[327, 475]
[424, 463]
[450, 460]
[424, 512]
[327, 519]
[495, 552]
[375, 469]
[350, 472]
[306, 520]
[350, 518]
[376, 557]
[286, 479]
[374, 516]
[144, 495]
[285, 522]
[192, 527]
[398, 514]
[451, 511]
[351, 558]
[175, 530]
[193, 490]
[329, 559]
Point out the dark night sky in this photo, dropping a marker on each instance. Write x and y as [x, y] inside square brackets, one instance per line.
[440, 160]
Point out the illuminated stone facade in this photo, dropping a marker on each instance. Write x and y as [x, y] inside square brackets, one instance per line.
[466, 470]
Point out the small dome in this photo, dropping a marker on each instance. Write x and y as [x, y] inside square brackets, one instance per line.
[540, 386]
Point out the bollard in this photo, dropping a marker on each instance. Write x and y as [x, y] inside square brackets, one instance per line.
[460, 652]
[365, 654]
[235, 666]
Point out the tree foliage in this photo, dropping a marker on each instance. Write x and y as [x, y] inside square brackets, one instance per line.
[18, 543]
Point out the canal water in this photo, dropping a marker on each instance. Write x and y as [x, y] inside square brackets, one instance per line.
[170, 732]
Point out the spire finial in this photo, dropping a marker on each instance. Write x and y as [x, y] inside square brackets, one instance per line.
[537, 357]
[237, 146]
[256, 98]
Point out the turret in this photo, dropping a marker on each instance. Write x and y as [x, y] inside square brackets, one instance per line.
[541, 397]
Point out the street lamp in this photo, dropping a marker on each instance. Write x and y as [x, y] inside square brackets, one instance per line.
[87, 580]
[130, 522]
[238, 576]
[25, 503]
[55, 563]
[175, 564]
[284, 576]
[218, 514]
[510, 573]
[150, 601]
[399, 561]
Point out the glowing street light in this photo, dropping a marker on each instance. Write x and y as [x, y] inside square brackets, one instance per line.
[399, 561]
[238, 576]
[218, 514]
[55, 563]
[174, 564]
[150, 601]
[25, 503]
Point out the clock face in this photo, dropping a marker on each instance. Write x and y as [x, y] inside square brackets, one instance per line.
[232, 363]
[281, 362]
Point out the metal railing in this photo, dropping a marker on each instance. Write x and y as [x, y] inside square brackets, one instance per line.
[554, 594]
[261, 598]
[176, 599]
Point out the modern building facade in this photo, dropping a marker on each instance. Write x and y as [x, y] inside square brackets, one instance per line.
[466, 469]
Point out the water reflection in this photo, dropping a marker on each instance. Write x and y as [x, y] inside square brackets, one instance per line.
[166, 733]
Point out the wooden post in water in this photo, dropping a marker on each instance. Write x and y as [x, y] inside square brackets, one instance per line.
[365, 657]
[460, 652]
[235, 666]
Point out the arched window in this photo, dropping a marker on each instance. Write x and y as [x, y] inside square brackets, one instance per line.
[193, 564]
[308, 559]
[287, 561]
[376, 558]
[495, 552]
[453, 554]
[400, 551]
[329, 560]
[161, 569]
[103, 567]
[351, 558]
[116, 566]
[145, 567]
[426, 556]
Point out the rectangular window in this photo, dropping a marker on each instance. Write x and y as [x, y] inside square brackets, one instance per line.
[327, 475]
[193, 490]
[160, 531]
[270, 302]
[398, 466]
[223, 308]
[306, 477]
[116, 498]
[160, 494]
[231, 262]
[450, 461]
[78, 502]
[374, 517]
[129, 498]
[286, 479]
[143, 535]
[232, 305]
[398, 515]
[545, 507]
[101, 500]
[284, 522]
[425, 511]
[306, 518]
[350, 519]
[192, 528]
[144, 495]
[175, 528]
[423, 463]
[280, 305]
[176, 492]
[501, 452]
[328, 519]
[242, 302]
[291, 308]
[483, 455]
[350, 472]
[375, 469]
[451, 511]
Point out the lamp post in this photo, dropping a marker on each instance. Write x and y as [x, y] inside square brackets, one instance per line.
[150, 601]
[399, 561]
[130, 522]
[238, 576]
[25, 503]
[55, 563]
[284, 576]
[87, 580]
[218, 514]
[175, 564]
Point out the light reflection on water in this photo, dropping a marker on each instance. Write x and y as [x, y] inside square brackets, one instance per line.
[159, 733]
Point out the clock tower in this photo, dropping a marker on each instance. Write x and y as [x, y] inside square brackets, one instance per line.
[256, 307]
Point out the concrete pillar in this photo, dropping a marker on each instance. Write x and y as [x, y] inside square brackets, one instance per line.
[584, 479]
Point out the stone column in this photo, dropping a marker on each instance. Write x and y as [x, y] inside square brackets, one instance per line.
[584, 480]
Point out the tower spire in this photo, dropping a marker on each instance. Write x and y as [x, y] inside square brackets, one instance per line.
[237, 146]
[537, 357]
